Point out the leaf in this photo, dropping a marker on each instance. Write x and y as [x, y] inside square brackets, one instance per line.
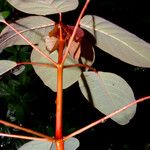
[82, 51]
[36, 145]
[4, 15]
[75, 47]
[45, 7]
[6, 65]
[1, 17]
[34, 28]
[87, 51]
[70, 144]
[49, 75]
[18, 70]
[51, 43]
[75, 50]
[108, 92]
[117, 41]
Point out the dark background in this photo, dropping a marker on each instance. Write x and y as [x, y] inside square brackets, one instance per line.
[134, 16]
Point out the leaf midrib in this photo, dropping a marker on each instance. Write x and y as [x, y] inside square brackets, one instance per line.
[105, 33]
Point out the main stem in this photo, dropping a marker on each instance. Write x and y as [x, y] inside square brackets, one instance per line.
[59, 105]
[59, 100]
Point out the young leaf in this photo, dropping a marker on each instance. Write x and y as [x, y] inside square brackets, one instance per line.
[45, 7]
[108, 92]
[6, 65]
[87, 52]
[70, 144]
[34, 28]
[75, 50]
[52, 43]
[49, 75]
[117, 41]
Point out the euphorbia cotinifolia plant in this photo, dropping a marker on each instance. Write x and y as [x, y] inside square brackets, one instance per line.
[62, 55]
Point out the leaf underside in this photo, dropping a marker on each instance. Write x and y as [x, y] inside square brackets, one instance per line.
[1, 17]
[49, 75]
[117, 41]
[45, 7]
[6, 65]
[70, 144]
[108, 92]
[71, 74]
[34, 28]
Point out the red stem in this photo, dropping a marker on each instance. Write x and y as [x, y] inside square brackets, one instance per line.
[59, 104]
[26, 130]
[75, 30]
[80, 65]
[105, 118]
[30, 43]
[59, 65]
[36, 64]
[61, 41]
[22, 137]
[59, 98]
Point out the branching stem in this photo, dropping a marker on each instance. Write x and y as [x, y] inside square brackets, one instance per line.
[75, 30]
[26, 130]
[30, 43]
[59, 109]
[80, 65]
[36, 64]
[22, 137]
[105, 118]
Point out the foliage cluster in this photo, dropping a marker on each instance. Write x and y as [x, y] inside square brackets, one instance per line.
[21, 95]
